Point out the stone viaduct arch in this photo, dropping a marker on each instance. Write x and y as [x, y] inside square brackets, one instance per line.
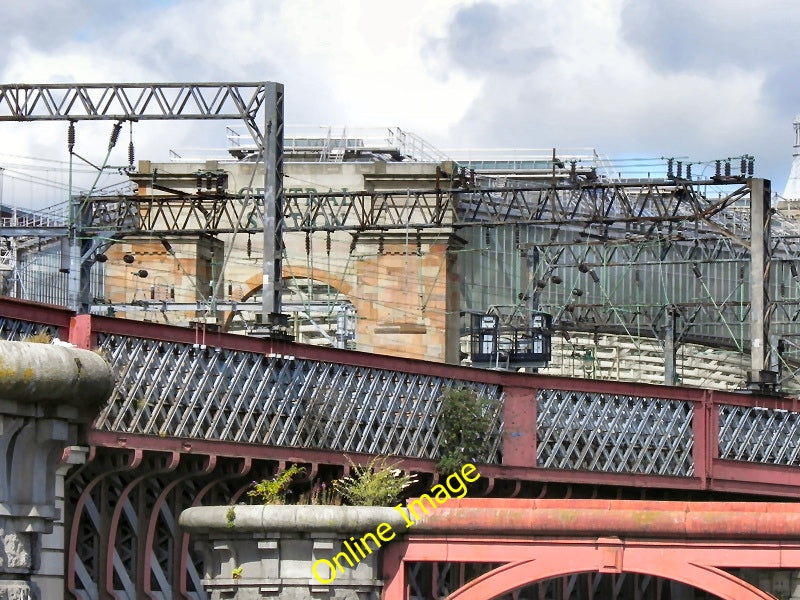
[253, 285]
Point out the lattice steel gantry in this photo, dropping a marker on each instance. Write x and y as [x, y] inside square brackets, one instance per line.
[259, 105]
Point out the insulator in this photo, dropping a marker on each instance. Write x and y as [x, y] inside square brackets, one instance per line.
[727, 168]
[750, 164]
[680, 170]
[573, 172]
[308, 242]
[328, 243]
[249, 246]
[688, 170]
[696, 271]
[556, 279]
[71, 136]
[220, 183]
[130, 153]
[594, 276]
[199, 179]
[743, 166]
[172, 292]
[419, 242]
[670, 173]
[353, 243]
[793, 269]
[167, 245]
[488, 238]
[583, 268]
[152, 292]
[230, 289]
[114, 134]
[380, 245]
[717, 166]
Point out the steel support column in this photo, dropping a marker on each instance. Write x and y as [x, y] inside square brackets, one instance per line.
[273, 206]
[760, 376]
[670, 374]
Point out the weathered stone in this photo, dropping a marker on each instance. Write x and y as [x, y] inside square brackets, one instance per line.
[44, 373]
[270, 551]
[15, 590]
[16, 550]
[46, 392]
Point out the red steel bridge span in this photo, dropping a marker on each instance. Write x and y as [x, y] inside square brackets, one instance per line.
[196, 416]
[510, 544]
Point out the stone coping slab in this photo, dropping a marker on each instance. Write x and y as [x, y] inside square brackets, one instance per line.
[289, 518]
[50, 374]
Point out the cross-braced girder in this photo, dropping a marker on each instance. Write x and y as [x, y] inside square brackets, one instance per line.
[179, 390]
[135, 102]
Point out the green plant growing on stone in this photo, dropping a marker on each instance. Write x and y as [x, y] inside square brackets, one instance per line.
[465, 423]
[321, 493]
[230, 517]
[41, 337]
[378, 483]
[274, 491]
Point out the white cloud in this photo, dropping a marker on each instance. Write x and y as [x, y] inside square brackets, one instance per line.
[473, 73]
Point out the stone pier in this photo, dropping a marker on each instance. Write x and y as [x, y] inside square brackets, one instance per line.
[47, 393]
[286, 552]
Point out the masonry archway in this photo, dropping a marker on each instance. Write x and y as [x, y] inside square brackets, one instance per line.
[305, 283]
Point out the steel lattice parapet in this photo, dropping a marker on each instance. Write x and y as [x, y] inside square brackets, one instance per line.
[759, 434]
[614, 433]
[182, 390]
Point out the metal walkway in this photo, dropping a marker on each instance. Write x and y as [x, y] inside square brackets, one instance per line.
[196, 416]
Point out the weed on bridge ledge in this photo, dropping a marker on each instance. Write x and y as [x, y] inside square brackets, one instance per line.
[377, 483]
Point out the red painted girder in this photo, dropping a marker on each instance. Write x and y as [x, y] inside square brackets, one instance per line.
[625, 518]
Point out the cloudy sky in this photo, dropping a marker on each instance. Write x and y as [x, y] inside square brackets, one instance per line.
[630, 78]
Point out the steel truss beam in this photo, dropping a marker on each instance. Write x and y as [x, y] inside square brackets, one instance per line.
[610, 207]
[136, 102]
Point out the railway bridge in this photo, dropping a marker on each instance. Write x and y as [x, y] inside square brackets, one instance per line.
[195, 416]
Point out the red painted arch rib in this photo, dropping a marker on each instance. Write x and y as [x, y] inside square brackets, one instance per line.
[515, 575]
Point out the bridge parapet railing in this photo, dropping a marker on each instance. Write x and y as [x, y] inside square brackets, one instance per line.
[759, 434]
[250, 391]
[20, 320]
[758, 441]
[614, 433]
